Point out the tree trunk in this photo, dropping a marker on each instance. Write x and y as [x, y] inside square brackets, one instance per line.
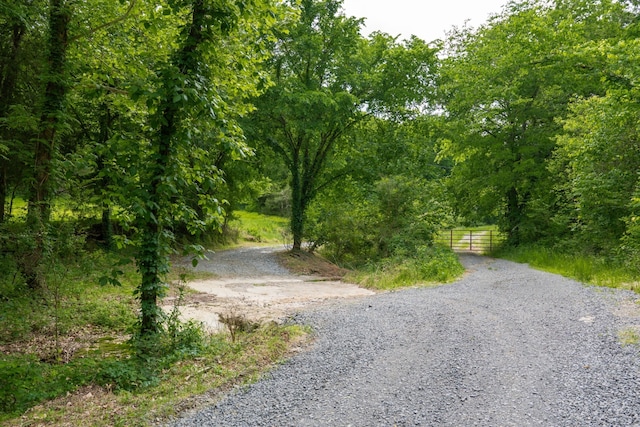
[513, 216]
[8, 82]
[106, 225]
[59, 17]
[152, 256]
[297, 204]
[39, 200]
[3, 192]
[152, 269]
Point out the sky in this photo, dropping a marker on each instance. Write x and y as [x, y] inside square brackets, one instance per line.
[427, 19]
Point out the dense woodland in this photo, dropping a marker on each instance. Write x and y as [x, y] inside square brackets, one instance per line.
[140, 127]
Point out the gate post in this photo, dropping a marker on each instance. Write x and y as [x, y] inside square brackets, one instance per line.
[451, 240]
[471, 240]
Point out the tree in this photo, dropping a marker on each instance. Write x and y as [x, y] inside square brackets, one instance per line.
[504, 88]
[392, 201]
[598, 155]
[15, 27]
[146, 106]
[327, 78]
[52, 109]
[65, 25]
[21, 42]
[200, 94]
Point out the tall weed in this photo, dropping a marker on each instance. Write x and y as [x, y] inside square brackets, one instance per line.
[590, 269]
[429, 265]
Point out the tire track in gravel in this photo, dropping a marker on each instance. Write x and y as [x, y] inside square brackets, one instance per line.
[504, 346]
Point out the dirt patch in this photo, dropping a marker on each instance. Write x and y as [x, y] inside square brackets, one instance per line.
[253, 283]
[305, 263]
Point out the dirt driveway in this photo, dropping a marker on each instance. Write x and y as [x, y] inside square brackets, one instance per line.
[253, 282]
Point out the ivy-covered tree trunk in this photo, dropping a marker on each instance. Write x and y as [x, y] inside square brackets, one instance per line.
[304, 172]
[54, 95]
[55, 91]
[3, 192]
[153, 253]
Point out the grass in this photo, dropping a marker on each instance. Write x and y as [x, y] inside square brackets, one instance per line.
[61, 210]
[54, 354]
[432, 265]
[220, 366]
[629, 336]
[584, 268]
[258, 228]
[71, 298]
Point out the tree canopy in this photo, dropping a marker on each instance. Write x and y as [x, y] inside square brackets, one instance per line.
[148, 123]
[326, 79]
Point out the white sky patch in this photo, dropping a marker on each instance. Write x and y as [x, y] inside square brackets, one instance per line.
[427, 19]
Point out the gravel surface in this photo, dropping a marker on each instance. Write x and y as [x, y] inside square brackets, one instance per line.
[244, 262]
[504, 346]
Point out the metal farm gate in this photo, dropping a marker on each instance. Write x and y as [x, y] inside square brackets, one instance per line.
[479, 241]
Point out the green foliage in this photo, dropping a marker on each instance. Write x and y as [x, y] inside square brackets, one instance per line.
[504, 106]
[147, 357]
[389, 236]
[148, 125]
[397, 216]
[550, 148]
[597, 154]
[134, 114]
[79, 312]
[429, 265]
[253, 226]
[164, 371]
[80, 301]
[26, 381]
[327, 78]
[596, 270]
[630, 247]
[393, 200]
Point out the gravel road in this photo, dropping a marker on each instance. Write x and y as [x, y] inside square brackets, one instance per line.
[504, 346]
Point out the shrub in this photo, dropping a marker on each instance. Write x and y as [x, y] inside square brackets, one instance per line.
[430, 265]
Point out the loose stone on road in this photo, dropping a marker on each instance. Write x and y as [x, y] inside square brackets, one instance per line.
[506, 345]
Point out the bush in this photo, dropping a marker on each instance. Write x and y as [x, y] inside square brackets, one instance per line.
[396, 218]
[429, 265]
[630, 244]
